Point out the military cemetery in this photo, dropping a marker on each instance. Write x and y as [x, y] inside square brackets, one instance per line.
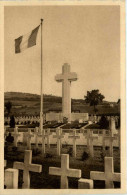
[53, 142]
[63, 141]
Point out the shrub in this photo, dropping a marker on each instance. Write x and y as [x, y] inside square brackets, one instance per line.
[6, 123]
[10, 138]
[85, 156]
[5, 149]
[104, 123]
[12, 122]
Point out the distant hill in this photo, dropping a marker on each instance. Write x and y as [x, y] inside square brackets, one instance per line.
[29, 104]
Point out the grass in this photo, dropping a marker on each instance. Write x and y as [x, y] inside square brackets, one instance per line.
[30, 104]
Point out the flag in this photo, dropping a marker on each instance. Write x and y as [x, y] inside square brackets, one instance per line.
[26, 41]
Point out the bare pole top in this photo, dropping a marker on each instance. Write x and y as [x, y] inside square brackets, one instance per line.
[41, 20]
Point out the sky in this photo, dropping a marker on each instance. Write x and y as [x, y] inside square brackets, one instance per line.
[86, 37]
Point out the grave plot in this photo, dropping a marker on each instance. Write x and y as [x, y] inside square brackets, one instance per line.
[58, 172]
[52, 125]
[73, 125]
[33, 140]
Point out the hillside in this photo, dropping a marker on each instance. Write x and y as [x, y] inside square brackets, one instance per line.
[29, 104]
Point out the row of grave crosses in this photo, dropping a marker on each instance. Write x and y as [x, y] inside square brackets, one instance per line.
[11, 175]
[59, 135]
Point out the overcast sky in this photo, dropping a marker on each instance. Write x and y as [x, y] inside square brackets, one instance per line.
[86, 37]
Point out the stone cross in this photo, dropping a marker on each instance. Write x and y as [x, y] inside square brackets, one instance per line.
[74, 137]
[66, 77]
[90, 139]
[85, 184]
[11, 178]
[48, 137]
[29, 135]
[15, 135]
[103, 139]
[112, 124]
[111, 139]
[64, 171]
[43, 135]
[26, 167]
[108, 175]
[59, 136]
[36, 133]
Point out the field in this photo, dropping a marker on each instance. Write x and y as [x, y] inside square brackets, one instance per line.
[29, 104]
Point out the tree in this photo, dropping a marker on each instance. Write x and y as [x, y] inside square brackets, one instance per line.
[104, 123]
[94, 98]
[8, 106]
[118, 102]
[12, 122]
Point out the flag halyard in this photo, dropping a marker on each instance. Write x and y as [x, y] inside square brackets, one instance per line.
[26, 41]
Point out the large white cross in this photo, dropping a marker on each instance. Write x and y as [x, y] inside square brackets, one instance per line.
[26, 167]
[108, 175]
[66, 77]
[74, 137]
[65, 171]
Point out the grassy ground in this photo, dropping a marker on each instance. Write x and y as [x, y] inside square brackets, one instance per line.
[29, 104]
[45, 181]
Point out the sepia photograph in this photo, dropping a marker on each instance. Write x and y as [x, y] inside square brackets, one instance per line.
[62, 97]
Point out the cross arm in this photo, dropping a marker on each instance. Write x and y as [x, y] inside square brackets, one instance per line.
[97, 175]
[59, 77]
[54, 171]
[18, 165]
[72, 76]
[116, 176]
[74, 173]
[35, 168]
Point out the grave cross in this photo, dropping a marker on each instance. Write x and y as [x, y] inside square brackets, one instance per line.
[11, 178]
[59, 136]
[26, 167]
[66, 77]
[43, 135]
[64, 171]
[103, 139]
[112, 124]
[36, 133]
[90, 138]
[108, 175]
[29, 135]
[48, 133]
[15, 135]
[85, 183]
[111, 138]
[74, 137]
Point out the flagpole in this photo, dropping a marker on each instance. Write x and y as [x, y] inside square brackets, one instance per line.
[41, 104]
